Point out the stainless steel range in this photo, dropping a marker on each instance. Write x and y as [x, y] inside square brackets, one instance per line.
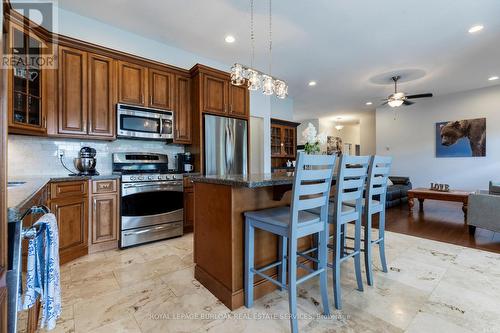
[151, 198]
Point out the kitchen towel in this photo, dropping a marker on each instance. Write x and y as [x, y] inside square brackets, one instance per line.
[42, 275]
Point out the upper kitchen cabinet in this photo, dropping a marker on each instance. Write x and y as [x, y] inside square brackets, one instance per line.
[72, 117]
[87, 96]
[216, 94]
[101, 92]
[239, 101]
[182, 116]
[161, 89]
[26, 114]
[132, 83]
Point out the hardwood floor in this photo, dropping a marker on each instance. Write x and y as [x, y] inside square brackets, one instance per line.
[442, 221]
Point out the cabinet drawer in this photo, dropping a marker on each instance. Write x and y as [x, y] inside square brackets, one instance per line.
[104, 186]
[68, 189]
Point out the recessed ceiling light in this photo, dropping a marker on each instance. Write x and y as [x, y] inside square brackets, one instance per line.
[368, 103]
[312, 83]
[493, 78]
[476, 28]
[230, 39]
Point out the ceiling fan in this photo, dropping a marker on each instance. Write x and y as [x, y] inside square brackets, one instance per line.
[400, 98]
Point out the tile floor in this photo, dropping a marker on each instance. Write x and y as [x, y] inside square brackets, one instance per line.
[430, 287]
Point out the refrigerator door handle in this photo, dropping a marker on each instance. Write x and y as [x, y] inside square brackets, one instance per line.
[229, 148]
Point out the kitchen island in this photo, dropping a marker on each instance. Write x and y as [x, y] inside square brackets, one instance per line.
[219, 204]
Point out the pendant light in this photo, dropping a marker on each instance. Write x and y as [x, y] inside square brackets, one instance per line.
[256, 79]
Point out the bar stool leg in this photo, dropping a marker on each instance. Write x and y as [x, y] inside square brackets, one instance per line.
[368, 249]
[381, 244]
[336, 266]
[292, 284]
[357, 256]
[249, 262]
[282, 270]
[343, 231]
[323, 258]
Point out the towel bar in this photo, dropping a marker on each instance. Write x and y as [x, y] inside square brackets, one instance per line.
[31, 231]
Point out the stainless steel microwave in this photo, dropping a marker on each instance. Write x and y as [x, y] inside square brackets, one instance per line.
[144, 123]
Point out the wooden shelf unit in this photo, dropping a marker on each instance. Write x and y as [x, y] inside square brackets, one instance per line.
[283, 142]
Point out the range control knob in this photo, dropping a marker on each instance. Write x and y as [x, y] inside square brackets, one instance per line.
[150, 177]
[140, 177]
[159, 177]
[132, 178]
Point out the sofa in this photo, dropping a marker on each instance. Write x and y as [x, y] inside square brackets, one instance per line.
[484, 209]
[397, 193]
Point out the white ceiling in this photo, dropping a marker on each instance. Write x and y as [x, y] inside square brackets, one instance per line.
[341, 44]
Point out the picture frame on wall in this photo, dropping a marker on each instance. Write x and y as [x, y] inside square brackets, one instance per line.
[334, 145]
[461, 138]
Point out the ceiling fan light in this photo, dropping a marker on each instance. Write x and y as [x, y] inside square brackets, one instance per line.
[394, 103]
[339, 127]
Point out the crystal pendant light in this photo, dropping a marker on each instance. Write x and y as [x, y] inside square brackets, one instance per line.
[256, 79]
[281, 89]
[268, 86]
[253, 80]
[237, 77]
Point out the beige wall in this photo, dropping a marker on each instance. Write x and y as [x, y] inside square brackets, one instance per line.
[367, 130]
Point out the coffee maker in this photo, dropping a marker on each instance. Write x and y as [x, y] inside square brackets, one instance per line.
[185, 163]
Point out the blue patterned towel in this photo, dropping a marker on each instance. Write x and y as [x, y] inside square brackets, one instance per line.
[42, 276]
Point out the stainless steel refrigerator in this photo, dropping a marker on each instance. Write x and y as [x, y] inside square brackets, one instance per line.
[225, 146]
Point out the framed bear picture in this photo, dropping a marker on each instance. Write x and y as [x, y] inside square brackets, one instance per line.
[461, 138]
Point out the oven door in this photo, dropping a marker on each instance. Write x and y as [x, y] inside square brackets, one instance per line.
[145, 124]
[151, 203]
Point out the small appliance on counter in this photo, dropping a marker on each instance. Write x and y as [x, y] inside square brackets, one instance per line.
[85, 163]
[185, 163]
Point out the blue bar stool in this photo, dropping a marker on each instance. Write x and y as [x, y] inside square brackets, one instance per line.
[311, 189]
[376, 188]
[351, 177]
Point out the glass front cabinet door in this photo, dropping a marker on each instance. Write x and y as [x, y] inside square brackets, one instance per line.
[25, 82]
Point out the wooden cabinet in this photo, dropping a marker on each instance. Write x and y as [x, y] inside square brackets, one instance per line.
[101, 100]
[104, 216]
[86, 95]
[283, 142]
[188, 205]
[182, 116]
[69, 202]
[161, 89]
[72, 117]
[239, 101]
[25, 112]
[219, 96]
[132, 83]
[215, 93]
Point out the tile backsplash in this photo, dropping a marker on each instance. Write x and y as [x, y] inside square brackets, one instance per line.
[31, 156]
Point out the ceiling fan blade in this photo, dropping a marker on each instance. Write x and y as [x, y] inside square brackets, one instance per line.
[419, 95]
[406, 102]
[385, 103]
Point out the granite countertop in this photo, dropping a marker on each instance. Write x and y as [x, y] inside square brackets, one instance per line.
[250, 181]
[19, 195]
